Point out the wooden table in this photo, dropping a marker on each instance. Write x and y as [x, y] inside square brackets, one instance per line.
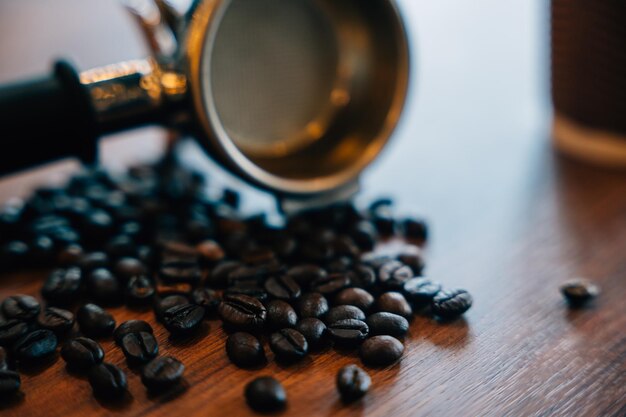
[510, 221]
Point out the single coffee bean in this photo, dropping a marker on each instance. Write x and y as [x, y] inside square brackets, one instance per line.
[387, 324]
[393, 274]
[131, 326]
[394, 302]
[94, 260]
[415, 229]
[357, 297]
[162, 373]
[314, 330]
[283, 287]
[103, 287]
[183, 320]
[218, 278]
[11, 330]
[364, 235]
[363, 276]
[210, 252]
[420, 291]
[312, 305]
[9, 382]
[21, 307]
[343, 313]
[352, 383]
[94, 321]
[244, 350]
[265, 394]
[128, 267]
[180, 271]
[449, 304]
[139, 348]
[288, 344]
[108, 381]
[36, 345]
[280, 314]
[331, 284]
[82, 353]
[381, 351]
[56, 320]
[242, 312]
[307, 273]
[70, 254]
[206, 298]
[139, 291]
[348, 332]
[250, 289]
[414, 260]
[579, 291]
[163, 304]
[62, 286]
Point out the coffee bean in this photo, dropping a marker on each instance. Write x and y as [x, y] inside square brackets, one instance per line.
[381, 351]
[280, 314]
[420, 291]
[162, 373]
[342, 264]
[387, 324]
[414, 261]
[307, 273]
[449, 304]
[210, 252]
[357, 297]
[393, 274]
[344, 312]
[139, 348]
[331, 283]
[183, 320]
[206, 298]
[283, 287]
[70, 255]
[352, 383]
[578, 292]
[35, 346]
[314, 330]
[56, 320]
[11, 330]
[288, 344]
[164, 304]
[20, 307]
[218, 278]
[119, 247]
[363, 276]
[312, 305]
[364, 235]
[180, 271]
[247, 275]
[94, 260]
[9, 383]
[139, 291]
[348, 332]
[131, 326]
[103, 287]
[128, 267]
[94, 321]
[245, 350]
[242, 312]
[394, 302]
[265, 394]
[258, 256]
[62, 287]
[415, 229]
[82, 353]
[107, 380]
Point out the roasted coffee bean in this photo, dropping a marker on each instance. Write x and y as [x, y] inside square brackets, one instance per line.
[56, 320]
[280, 314]
[183, 320]
[352, 383]
[265, 394]
[131, 326]
[331, 284]
[161, 305]
[4, 359]
[342, 264]
[251, 290]
[288, 344]
[206, 298]
[245, 350]
[107, 380]
[364, 235]
[394, 302]
[218, 278]
[162, 373]
[344, 312]
[449, 304]
[348, 332]
[578, 292]
[312, 305]
[357, 297]
[94, 321]
[94, 260]
[20, 307]
[421, 291]
[305, 274]
[9, 383]
[387, 324]
[103, 287]
[70, 255]
[393, 274]
[128, 267]
[283, 287]
[210, 252]
[381, 351]
[242, 312]
[139, 291]
[363, 276]
[120, 246]
[36, 345]
[11, 330]
[414, 261]
[62, 286]
[258, 256]
[314, 330]
[415, 229]
[247, 275]
[139, 348]
[180, 272]
[82, 353]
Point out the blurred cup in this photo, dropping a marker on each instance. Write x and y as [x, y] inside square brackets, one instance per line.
[589, 79]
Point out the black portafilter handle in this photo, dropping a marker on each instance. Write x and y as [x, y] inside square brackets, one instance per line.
[46, 119]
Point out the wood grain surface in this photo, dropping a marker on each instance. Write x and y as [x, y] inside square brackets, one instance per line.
[510, 221]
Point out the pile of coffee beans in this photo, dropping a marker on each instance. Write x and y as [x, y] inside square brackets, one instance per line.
[153, 238]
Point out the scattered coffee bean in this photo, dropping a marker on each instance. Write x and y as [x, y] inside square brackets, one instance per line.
[218, 278]
[206, 298]
[288, 344]
[352, 383]
[330, 284]
[56, 320]
[283, 287]
[180, 271]
[70, 255]
[21, 307]
[107, 380]
[94, 321]
[312, 305]
[344, 312]
[9, 383]
[265, 394]
[305, 274]
[393, 274]
[363, 276]
[161, 305]
[183, 320]
[162, 373]
[381, 351]
[449, 304]
[35, 346]
[139, 348]
[244, 350]
[415, 229]
[127, 267]
[578, 292]
[394, 302]
[139, 291]
[103, 287]
[62, 286]
[93, 260]
[242, 312]
[210, 252]
[414, 261]
[280, 315]
[348, 332]
[389, 324]
[314, 330]
[82, 353]
[357, 297]
[420, 291]
[11, 330]
[131, 326]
